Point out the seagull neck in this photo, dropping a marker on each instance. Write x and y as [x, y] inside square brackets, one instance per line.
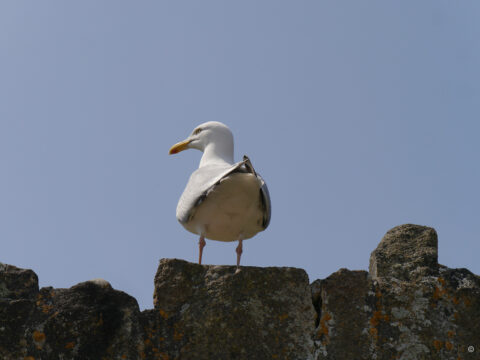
[215, 154]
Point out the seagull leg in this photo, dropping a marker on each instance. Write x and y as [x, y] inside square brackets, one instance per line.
[239, 251]
[201, 245]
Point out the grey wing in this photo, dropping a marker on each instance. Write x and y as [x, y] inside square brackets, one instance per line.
[201, 182]
[264, 193]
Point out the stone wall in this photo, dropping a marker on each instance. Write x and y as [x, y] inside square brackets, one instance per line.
[406, 307]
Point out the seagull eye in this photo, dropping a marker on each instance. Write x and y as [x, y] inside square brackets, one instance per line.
[197, 131]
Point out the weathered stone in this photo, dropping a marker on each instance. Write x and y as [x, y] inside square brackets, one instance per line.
[344, 305]
[87, 321]
[407, 307]
[17, 283]
[406, 252]
[215, 313]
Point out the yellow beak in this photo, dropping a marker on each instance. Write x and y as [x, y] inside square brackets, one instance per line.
[182, 145]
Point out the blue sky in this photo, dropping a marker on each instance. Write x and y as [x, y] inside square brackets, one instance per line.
[359, 115]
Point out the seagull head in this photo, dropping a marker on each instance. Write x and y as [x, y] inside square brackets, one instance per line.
[212, 134]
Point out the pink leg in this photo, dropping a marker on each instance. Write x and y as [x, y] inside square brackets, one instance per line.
[239, 251]
[201, 245]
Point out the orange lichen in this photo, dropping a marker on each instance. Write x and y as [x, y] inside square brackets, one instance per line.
[46, 308]
[448, 345]
[375, 321]
[99, 322]
[438, 292]
[163, 314]
[283, 317]
[467, 301]
[377, 317]
[323, 329]
[38, 336]
[70, 345]
[438, 344]
[378, 295]
[177, 335]
[455, 300]
[28, 358]
[451, 333]
[163, 356]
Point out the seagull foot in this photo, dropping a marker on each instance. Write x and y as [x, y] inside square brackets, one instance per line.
[201, 245]
[239, 251]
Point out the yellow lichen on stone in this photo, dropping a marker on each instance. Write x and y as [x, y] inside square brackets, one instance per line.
[163, 314]
[438, 344]
[377, 317]
[46, 308]
[39, 299]
[283, 317]
[163, 356]
[177, 336]
[99, 321]
[38, 336]
[448, 345]
[323, 330]
[70, 345]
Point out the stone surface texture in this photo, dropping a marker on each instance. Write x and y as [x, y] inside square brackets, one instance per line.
[406, 307]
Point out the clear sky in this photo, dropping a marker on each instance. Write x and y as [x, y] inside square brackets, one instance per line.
[360, 115]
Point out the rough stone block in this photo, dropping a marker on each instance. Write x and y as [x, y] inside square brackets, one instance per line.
[406, 252]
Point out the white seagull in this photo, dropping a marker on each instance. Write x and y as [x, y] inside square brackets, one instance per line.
[222, 201]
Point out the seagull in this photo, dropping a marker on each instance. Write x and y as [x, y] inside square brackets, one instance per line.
[223, 200]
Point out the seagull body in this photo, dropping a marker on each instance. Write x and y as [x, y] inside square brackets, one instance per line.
[222, 201]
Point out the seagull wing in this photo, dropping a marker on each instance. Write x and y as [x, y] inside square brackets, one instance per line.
[265, 195]
[206, 178]
[201, 182]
